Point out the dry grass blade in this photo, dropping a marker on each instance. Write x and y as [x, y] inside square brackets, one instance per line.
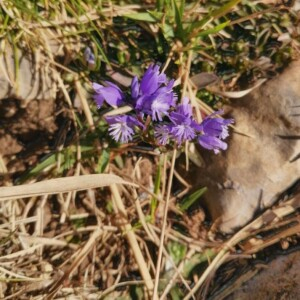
[79, 258]
[164, 225]
[18, 254]
[17, 276]
[238, 94]
[60, 185]
[230, 289]
[268, 217]
[132, 240]
[274, 239]
[3, 168]
[83, 99]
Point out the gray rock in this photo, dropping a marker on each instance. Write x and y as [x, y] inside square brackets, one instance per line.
[261, 163]
[33, 80]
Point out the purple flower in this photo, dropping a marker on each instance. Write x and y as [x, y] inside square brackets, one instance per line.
[153, 100]
[212, 143]
[216, 126]
[89, 57]
[154, 94]
[152, 80]
[185, 108]
[135, 88]
[183, 127]
[162, 134]
[158, 104]
[110, 93]
[121, 127]
[214, 130]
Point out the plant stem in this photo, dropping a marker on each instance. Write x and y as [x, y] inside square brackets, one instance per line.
[132, 240]
[162, 236]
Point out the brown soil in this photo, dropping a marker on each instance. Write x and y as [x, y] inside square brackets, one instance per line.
[26, 132]
[280, 280]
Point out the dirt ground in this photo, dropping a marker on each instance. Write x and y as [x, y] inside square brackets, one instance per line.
[28, 133]
[279, 280]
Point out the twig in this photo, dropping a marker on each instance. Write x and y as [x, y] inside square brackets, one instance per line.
[163, 231]
[78, 260]
[129, 233]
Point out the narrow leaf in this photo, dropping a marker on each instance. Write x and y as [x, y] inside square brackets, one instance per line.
[238, 94]
[213, 30]
[48, 160]
[224, 9]
[157, 182]
[196, 260]
[178, 19]
[103, 161]
[189, 200]
[144, 16]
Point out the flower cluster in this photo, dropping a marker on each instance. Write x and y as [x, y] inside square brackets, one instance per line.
[157, 115]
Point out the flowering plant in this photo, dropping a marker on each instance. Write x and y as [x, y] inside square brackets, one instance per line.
[157, 115]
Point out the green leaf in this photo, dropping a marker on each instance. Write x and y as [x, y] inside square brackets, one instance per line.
[213, 30]
[156, 14]
[109, 207]
[51, 159]
[153, 203]
[119, 161]
[68, 158]
[145, 16]
[47, 161]
[178, 19]
[177, 251]
[176, 293]
[160, 4]
[199, 24]
[137, 293]
[212, 16]
[103, 161]
[191, 199]
[168, 31]
[224, 9]
[196, 260]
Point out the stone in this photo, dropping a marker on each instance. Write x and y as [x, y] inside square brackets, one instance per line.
[262, 159]
[34, 79]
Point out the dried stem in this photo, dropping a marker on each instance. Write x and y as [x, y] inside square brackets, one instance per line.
[132, 240]
[163, 231]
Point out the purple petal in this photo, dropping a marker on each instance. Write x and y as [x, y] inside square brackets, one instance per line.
[195, 125]
[99, 99]
[160, 105]
[130, 120]
[162, 134]
[212, 143]
[178, 119]
[216, 126]
[182, 133]
[185, 108]
[87, 53]
[121, 127]
[89, 56]
[152, 80]
[135, 88]
[97, 87]
[110, 93]
[143, 104]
